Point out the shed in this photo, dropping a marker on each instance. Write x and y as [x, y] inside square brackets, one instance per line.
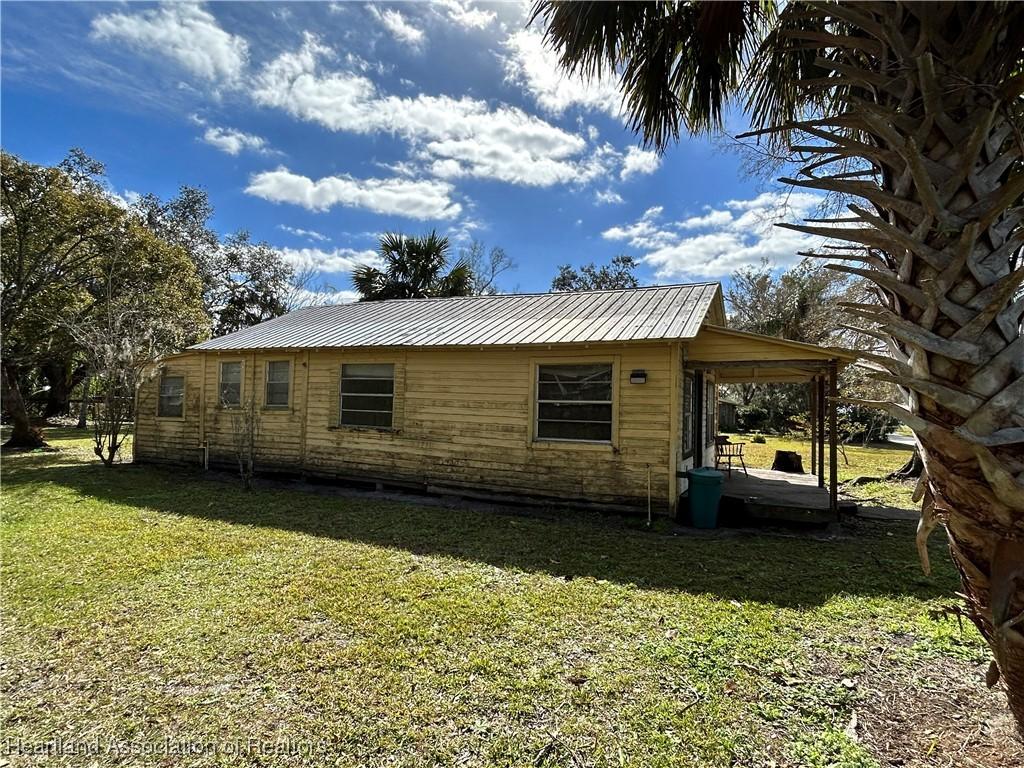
[601, 397]
[726, 415]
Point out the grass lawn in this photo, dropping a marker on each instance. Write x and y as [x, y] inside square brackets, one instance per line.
[155, 609]
[876, 460]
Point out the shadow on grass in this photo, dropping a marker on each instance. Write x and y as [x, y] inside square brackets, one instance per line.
[870, 560]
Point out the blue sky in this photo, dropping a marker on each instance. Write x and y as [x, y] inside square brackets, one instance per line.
[317, 126]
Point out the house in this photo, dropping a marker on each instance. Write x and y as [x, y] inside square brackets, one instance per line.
[603, 397]
[726, 415]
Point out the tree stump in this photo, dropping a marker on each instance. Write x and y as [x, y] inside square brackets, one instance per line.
[788, 461]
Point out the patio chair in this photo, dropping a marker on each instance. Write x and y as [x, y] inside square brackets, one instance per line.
[726, 451]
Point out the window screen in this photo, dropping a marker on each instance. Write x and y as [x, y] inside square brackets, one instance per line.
[278, 382]
[367, 394]
[172, 396]
[687, 421]
[710, 424]
[574, 402]
[230, 384]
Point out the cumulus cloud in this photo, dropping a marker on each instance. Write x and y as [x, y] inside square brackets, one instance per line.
[639, 162]
[530, 65]
[712, 218]
[334, 260]
[453, 137]
[309, 234]
[319, 297]
[399, 27]
[414, 199]
[646, 232]
[234, 141]
[740, 232]
[463, 14]
[186, 33]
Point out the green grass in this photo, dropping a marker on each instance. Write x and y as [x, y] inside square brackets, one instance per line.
[872, 461]
[145, 604]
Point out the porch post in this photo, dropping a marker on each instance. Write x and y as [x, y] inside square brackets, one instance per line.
[812, 401]
[833, 466]
[821, 431]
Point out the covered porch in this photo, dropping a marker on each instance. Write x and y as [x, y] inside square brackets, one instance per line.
[736, 357]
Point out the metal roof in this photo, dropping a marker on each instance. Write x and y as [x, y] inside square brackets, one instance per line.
[660, 312]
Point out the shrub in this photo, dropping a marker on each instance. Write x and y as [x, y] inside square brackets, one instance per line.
[759, 439]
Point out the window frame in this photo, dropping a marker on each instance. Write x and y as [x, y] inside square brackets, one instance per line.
[241, 383]
[711, 406]
[160, 395]
[393, 396]
[689, 415]
[612, 361]
[266, 383]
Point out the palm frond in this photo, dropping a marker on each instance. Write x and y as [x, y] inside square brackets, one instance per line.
[679, 63]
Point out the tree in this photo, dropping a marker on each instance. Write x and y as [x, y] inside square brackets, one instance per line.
[914, 111]
[244, 282]
[413, 268]
[245, 433]
[149, 303]
[52, 225]
[486, 266]
[590, 277]
[796, 304]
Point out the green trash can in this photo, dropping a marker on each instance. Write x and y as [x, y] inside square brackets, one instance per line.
[705, 493]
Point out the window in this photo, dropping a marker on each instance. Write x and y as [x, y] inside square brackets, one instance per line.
[687, 420]
[279, 374]
[230, 384]
[172, 397]
[367, 394]
[709, 413]
[574, 402]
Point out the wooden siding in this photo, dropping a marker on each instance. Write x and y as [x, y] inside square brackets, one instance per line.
[462, 419]
[160, 438]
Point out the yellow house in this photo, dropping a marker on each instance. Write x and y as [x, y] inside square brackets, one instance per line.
[602, 397]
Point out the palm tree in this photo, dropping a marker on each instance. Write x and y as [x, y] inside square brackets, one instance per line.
[914, 113]
[413, 269]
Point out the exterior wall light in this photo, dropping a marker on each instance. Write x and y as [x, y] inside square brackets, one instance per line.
[638, 377]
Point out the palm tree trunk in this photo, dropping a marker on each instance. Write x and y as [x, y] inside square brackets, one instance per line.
[940, 236]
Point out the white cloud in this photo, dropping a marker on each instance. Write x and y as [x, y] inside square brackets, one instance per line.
[334, 260]
[395, 23]
[740, 233]
[234, 141]
[125, 199]
[187, 33]
[639, 161]
[645, 233]
[712, 218]
[414, 199]
[304, 297]
[607, 197]
[309, 234]
[530, 65]
[463, 13]
[452, 137]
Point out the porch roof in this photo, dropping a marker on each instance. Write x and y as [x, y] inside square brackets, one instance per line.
[741, 357]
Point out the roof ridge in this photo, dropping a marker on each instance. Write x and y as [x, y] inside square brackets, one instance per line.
[540, 293]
